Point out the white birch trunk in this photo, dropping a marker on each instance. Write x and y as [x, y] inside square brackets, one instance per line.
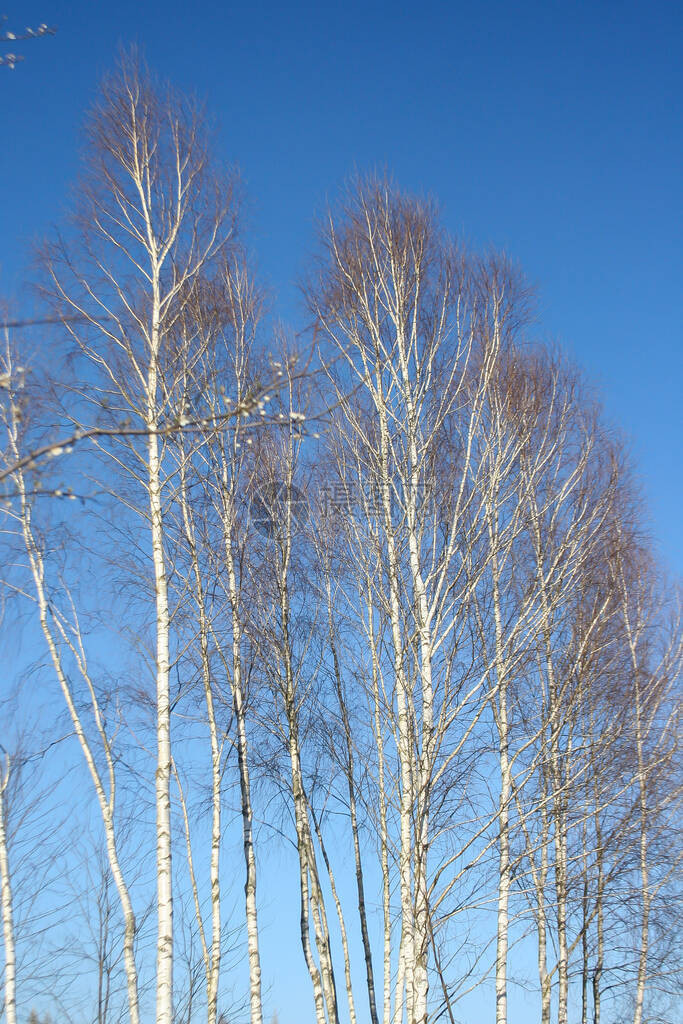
[10, 999]
[420, 978]
[633, 632]
[309, 902]
[560, 843]
[164, 980]
[600, 957]
[256, 1008]
[384, 831]
[212, 960]
[558, 803]
[360, 885]
[307, 866]
[106, 802]
[323, 979]
[342, 925]
[407, 943]
[643, 863]
[214, 867]
[504, 876]
[544, 978]
[424, 773]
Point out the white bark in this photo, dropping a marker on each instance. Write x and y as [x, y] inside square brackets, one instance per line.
[342, 923]
[353, 822]
[404, 738]
[155, 223]
[163, 708]
[10, 993]
[504, 875]
[307, 860]
[227, 484]
[632, 632]
[54, 631]
[212, 960]
[256, 1008]
[541, 907]
[286, 693]
[378, 727]
[105, 799]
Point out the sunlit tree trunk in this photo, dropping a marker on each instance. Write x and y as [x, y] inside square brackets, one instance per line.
[307, 859]
[153, 222]
[163, 703]
[212, 959]
[245, 796]
[10, 990]
[378, 731]
[232, 317]
[55, 633]
[349, 770]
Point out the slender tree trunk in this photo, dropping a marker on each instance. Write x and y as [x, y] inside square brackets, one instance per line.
[584, 935]
[504, 875]
[10, 1000]
[560, 839]
[384, 832]
[106, 802]
[424, 773]
[256, 1008]
[360, 886]
[544, 978]
[164, 981]
[596, 979]
[214, 867]
[319, 976]
[407, 942]
[558, 778]
[212, 959]
[500, 707]
[314, 972]
[643, 865]
[239, 708]
[349, 769]
[400, 987]
[599, 960]
[342, 924]
[309, 868]
[633, 631]
[253, 952]
[308, 871]
[420, 979]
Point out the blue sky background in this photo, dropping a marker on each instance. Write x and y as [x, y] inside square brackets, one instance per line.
[551, 130]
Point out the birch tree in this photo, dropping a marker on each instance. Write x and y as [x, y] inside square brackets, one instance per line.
[213, 464]
[152, 216]
[282, 625]
[6, 901]
[654, 649]
[426, 642]
[418, 327]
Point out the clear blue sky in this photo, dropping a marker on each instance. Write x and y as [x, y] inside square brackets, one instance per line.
[553, 130]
